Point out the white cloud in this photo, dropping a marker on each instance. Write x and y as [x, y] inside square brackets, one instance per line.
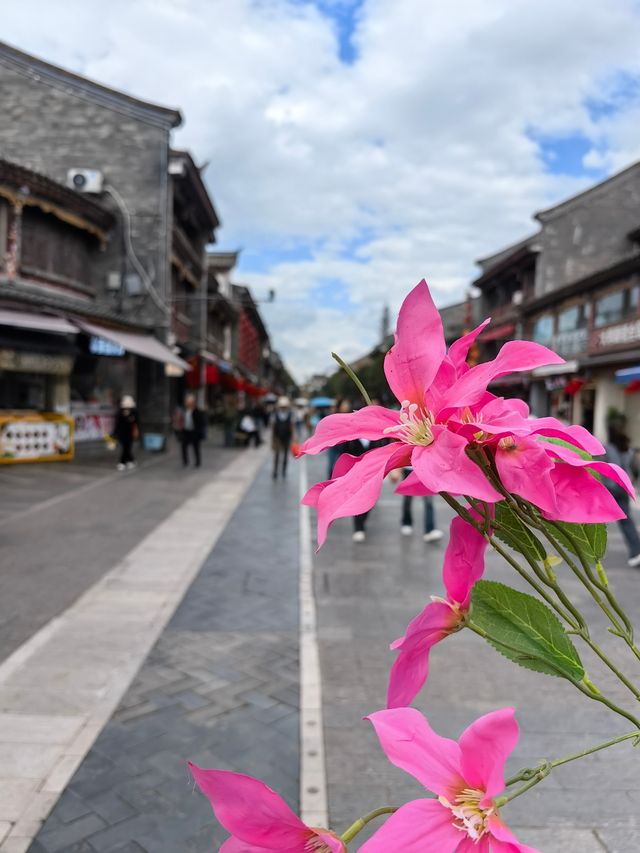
[421, 148]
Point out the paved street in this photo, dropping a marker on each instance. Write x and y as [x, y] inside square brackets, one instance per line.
[220, 683]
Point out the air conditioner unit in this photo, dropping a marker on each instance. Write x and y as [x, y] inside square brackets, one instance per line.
[85, 180]
[517, 297]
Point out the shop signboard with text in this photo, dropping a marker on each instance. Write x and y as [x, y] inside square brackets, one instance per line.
[615, 337]
[35, 438]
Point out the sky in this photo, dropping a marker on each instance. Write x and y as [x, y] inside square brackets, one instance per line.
[357, 146]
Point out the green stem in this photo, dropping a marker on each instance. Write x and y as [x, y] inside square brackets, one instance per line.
[537, 774]
[360, 824]
[353, 377]
[598, 697]
[464, 513]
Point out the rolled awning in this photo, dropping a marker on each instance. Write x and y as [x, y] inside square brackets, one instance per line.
[555, 369]
[629, 374]
[144, 345]
[37, 322]
[498, 333]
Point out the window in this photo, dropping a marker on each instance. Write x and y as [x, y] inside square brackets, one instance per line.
[573, 318]
[543, 329]
[613, 307]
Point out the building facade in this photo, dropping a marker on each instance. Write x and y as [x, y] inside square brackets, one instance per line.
[113, 151]
[575, 286]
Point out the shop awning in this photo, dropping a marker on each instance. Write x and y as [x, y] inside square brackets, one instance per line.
[220, 363]
[145, 345]
[555, 369]
[37, 322]
[628, 374]
[498, 333]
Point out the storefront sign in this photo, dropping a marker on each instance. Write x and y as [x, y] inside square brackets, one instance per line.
[101, 346]
[35, 362]
[91, 422]
[615, 336]
[35, 438]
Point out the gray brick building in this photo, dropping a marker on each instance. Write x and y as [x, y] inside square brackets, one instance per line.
[151, 269]
[574, 285]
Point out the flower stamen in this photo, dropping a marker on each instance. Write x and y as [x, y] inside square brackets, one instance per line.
[469, 816]
[415, 425]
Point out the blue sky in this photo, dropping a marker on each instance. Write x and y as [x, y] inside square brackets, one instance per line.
[356, 146]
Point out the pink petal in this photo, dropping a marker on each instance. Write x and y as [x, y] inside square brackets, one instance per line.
[413, 487]
[413, 361]
[356, 491]
[504, 835]
[410, 743]
[513, 357]
[580, 498]
[468, 845]
[525, 470]
[573, 434]
[445, 467]
[333, 843]
[250, 810]
[369, 422]
[411, 668]
[459, 350]
[463, 561]
[234, 845]
[485, 746]
[421, 826]
[606, 469]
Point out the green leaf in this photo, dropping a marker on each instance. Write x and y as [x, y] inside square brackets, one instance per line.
[591, 539]
[525, 630]
[514, 533]
[582, 453]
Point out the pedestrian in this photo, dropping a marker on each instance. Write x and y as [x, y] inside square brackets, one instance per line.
[357, 447]
[620, 453]
[431, 532]
[249, 427]
[229, 420]
[192, 428]
[126, 430]
[281, 435]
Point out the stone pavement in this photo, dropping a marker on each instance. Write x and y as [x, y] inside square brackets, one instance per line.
[63, 525]
[220, 687]
[366, 595]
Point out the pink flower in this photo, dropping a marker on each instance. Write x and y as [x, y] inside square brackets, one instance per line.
[439, 395]
[555, 478]
[463, 566]
[258, 819]
[466, 775]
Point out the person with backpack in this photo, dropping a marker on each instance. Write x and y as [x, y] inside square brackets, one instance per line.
[281, 435]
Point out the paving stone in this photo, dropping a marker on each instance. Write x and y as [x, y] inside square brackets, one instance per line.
[366, 595]
[220, 687]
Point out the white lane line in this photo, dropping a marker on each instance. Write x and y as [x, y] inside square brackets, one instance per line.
[60, 688]
[313, 776]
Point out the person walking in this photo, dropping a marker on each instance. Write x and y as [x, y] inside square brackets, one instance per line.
[281, 435]
[619, 451]
[126, 430]
[192, 430]
[431, 532]
[357, 447]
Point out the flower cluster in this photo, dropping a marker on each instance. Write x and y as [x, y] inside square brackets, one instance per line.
[447, 416]
[460, 440]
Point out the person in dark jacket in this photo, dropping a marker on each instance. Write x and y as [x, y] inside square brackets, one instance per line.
[357, 447]
[191, 430]
[281, 435]
[126, 430]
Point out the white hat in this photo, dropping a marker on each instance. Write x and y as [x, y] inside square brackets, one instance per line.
[283, 403]
[127, 402]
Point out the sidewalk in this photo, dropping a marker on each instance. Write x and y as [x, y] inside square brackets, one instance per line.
[64, 525]
[366, 595]
[220, 687]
